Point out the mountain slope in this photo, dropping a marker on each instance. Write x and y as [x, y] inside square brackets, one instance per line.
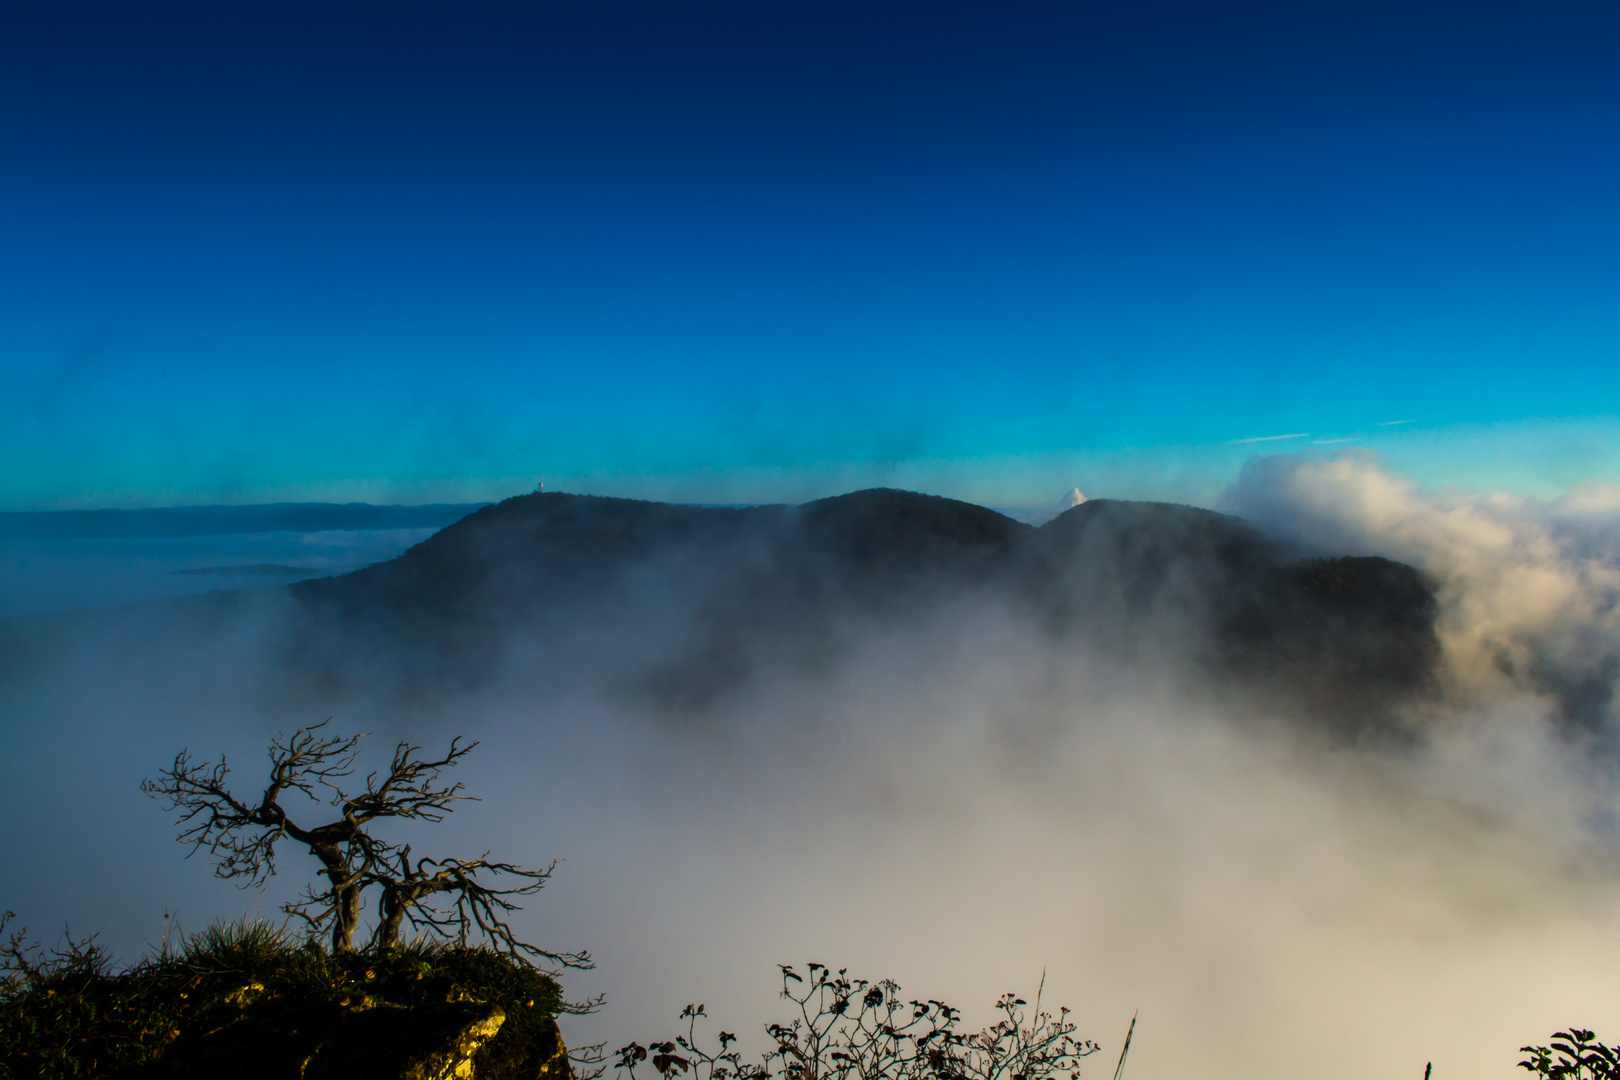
[1348, 640]
[684, 604]
[515, 559]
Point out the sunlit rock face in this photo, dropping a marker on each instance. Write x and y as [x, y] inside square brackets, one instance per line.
[363, 1040]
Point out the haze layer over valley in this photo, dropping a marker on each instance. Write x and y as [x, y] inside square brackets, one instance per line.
[1323, 785]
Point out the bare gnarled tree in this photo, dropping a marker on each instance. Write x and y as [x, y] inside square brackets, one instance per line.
[451, 898]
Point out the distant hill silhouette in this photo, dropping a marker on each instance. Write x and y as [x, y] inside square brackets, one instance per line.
[174, 521]
[728, 592]
[516, 557]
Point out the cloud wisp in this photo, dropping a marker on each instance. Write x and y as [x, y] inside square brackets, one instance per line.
[1270, 438]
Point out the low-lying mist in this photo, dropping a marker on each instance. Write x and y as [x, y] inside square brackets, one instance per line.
[950, 791]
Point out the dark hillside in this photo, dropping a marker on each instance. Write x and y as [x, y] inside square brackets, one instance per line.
[885, 534]
[682, 604]
[532, 550]
[797, 596]
[1108, 560]
[1348, 640]
[513, 560]
[686, 601]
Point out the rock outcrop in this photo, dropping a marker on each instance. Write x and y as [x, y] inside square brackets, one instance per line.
[362, 1040]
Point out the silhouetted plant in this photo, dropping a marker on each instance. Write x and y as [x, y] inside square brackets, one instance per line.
[449, 898]
[45, 994]
[852, 1029]
[1574, 1055]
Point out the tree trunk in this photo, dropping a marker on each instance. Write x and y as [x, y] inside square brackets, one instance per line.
[393, 917]
[345, 895]
[345, 917]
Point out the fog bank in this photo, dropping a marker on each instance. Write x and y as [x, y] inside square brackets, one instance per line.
[956, 802]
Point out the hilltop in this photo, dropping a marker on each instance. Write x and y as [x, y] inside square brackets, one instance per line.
[688, 602]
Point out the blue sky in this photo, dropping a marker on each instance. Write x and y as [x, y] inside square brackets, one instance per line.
[775, 249]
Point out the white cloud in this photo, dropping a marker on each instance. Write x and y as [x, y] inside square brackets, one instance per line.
[1529, 588]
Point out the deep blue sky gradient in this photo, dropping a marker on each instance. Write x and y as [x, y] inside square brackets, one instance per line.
[438, 251]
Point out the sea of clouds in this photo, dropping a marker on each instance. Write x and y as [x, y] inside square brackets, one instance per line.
[958, 804]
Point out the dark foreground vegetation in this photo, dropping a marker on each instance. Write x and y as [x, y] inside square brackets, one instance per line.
[1574, 1055]
[249, 1001]
[843, 1028]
